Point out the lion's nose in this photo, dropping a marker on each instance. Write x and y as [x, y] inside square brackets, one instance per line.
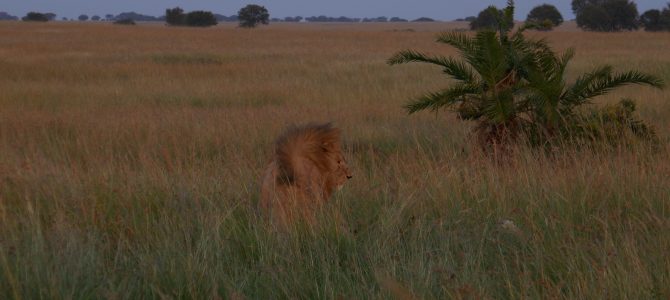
[349, 176]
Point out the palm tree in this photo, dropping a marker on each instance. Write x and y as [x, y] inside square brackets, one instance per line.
[509, 83]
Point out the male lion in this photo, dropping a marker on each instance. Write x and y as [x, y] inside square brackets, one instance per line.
[306, 168]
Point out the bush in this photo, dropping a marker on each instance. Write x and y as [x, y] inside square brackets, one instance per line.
[35, 17]
[612, 125]
[605, 15]
[544, 17]
[252, 15]
[200, 18]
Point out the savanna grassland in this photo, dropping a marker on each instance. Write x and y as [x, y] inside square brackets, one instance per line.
[131, 158]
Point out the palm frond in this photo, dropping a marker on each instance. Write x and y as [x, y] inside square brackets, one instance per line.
[452, 67]
[466, 45]
[406, 56]
[458, 40]
[506, 20]
[489, 58]
[566, 58]
[604, 84]
[446, 97]
[501, 108]
[574, 94]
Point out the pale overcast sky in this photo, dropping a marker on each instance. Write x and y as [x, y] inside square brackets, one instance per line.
[410, 9]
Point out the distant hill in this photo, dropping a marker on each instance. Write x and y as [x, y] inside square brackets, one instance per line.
[137, 17]
[222, 18]
[7, 17]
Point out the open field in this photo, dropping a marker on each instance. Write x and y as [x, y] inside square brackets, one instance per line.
[130, 161]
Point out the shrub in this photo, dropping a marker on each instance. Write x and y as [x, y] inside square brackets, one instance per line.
[610, 125]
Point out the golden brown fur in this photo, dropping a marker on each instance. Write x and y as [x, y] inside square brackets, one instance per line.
[306, 168]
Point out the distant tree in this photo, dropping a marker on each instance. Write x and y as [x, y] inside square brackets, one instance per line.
[252, 15]
[470, 18]
[486, 19]
[109, 16]
[651, 20]
[64, 19]
[95, 18]
[83, 18]
[50, 16]
[605, 15]
[544, 17]
[656, 20]
[35, 17]
[200, 18]
[423, 19]
[175, 16]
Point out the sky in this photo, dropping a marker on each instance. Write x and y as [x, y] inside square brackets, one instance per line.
[409, 9]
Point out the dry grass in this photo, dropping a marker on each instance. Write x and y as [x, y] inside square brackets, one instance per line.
[130, 161]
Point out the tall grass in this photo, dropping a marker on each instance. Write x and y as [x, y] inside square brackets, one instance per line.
[130, 161]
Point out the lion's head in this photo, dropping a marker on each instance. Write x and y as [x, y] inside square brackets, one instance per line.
[339, 170]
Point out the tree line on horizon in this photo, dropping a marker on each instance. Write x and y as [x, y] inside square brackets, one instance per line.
[591, 15]
[37, 16]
